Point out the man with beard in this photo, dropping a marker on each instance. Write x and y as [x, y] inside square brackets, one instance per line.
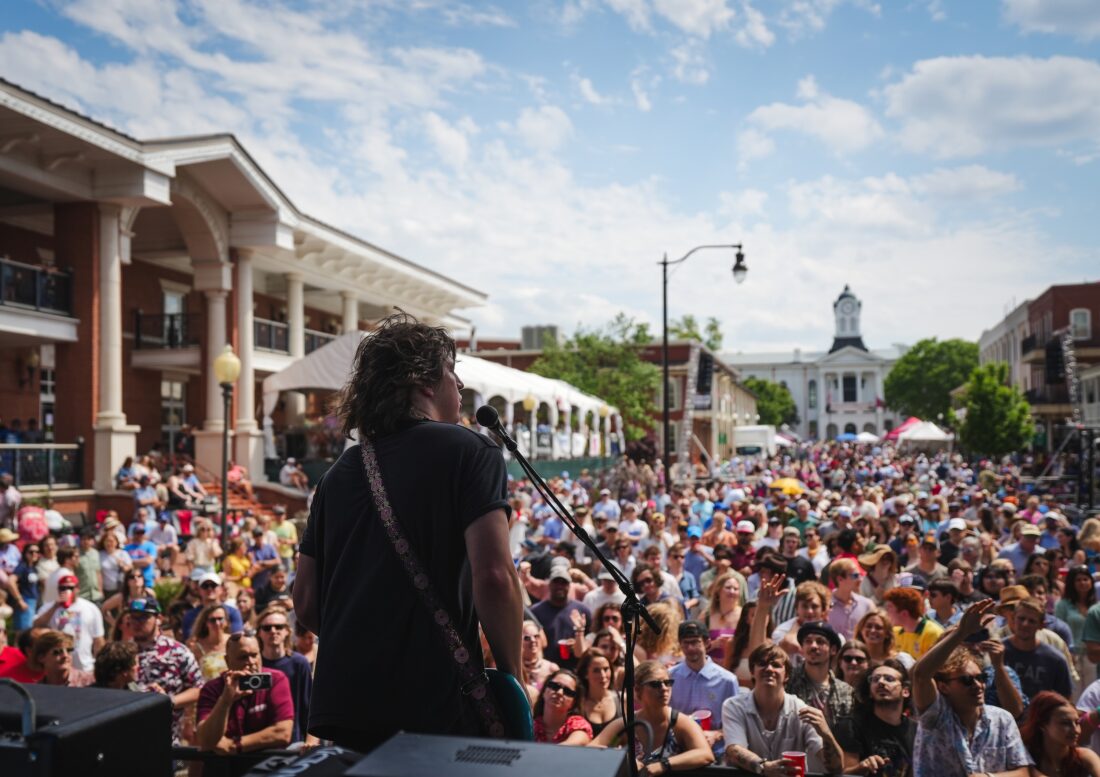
[554, 613]
[813, 681]
[879, 734]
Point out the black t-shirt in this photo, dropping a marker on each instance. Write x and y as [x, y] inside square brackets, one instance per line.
[298, 671]
[867, 734]
[801, 569]
[383, 665]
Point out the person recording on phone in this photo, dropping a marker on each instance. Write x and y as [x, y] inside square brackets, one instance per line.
[248, 708]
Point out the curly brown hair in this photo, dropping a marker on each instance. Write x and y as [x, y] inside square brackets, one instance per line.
[400, 355]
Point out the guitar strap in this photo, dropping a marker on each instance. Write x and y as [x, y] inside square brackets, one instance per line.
[474, 683]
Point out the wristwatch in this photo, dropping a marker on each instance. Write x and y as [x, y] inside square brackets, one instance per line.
[666, 766]
[758, 767]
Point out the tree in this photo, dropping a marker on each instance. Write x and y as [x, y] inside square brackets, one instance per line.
[774, 402]
[922, 380]
[687, 328]
[606, 363]
[998, 418]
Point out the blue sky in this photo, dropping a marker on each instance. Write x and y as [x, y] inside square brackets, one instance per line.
[941, 156]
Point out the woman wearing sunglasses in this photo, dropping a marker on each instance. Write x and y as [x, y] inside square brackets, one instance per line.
[852, 662]
[53, 651]
[536, 668]
[557, 712]
[209, 637]
[133, 587]
[677, 742]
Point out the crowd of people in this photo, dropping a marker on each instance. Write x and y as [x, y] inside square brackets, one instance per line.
[881, 613]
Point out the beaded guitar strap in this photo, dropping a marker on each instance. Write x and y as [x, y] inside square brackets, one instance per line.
[474, 682]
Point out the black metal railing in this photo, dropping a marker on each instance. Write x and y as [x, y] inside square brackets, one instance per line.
[1047, 395]
[49, 465]
[315, 339]
[270, 335]
[48, 289]
[1028, 344]
[166, 330]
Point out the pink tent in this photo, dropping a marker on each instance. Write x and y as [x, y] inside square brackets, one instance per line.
[897, 430]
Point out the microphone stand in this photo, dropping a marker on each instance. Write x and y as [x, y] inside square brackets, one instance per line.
[632, 609]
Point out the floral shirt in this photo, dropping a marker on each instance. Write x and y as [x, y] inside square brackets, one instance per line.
[835, 699]
[572, 723]
[173, 667]
[944, 748]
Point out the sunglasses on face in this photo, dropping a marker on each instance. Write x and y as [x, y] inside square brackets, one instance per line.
[218, 619]
[612, 618]
[659, 684]
[853, 659]
[66, 588]
[59, 652]
[529, 638]
[208, 585]
[273, 627]
[969, 680]
[556, 686]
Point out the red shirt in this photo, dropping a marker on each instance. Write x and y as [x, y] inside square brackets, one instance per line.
[13, 664]
[252, 713]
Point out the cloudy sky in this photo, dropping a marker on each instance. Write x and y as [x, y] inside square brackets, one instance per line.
[941, 156]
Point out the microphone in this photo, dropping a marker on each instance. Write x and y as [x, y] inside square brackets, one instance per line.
[488, 417]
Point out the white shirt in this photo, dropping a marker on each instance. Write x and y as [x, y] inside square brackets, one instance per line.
[82, 621]
[820, 559]
[742, 725]
[1090, 700]
[636, 529]
[593, 600]
[163, 534]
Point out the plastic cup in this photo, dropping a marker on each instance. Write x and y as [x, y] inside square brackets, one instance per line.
[799, 759]
[702, 717]
[565, 649]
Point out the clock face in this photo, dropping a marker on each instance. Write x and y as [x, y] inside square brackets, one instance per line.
[847, 306]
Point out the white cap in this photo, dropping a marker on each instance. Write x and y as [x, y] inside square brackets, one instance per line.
[956, 523]
[746, 526]
[844, 510]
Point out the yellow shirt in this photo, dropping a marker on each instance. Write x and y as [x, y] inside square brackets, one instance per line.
[234, 566]
[917, 643]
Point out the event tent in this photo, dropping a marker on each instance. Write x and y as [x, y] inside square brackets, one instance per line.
[894, 433]
[866, 437]
[328, 368]
[924, 431]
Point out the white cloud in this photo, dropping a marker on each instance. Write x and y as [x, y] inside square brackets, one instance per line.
[1079, 19]
[885, 203]
[802, 17]
[689, 63]
[742, 206]
[752, 144]
[640, 83]
[963, 106]
[842, 125]
[700, 18]
[966, 183]
[636, 13]
[450, 141]
[589, 93]
[754, 30]
[544, 129]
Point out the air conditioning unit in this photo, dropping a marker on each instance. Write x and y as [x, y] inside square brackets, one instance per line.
[535, 338]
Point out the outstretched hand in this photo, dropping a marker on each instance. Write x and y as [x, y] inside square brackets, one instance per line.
[771, 591]
[971, 621]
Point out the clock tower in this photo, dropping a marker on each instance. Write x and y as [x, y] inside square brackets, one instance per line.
[846, 311]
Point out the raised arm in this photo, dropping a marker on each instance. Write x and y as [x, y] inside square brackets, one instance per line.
[924, 684]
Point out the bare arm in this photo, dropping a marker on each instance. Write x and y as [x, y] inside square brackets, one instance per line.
[304, 593]
[275, 736]
[1092, 651]
[1006, 690]
[924, 685]
[694, 753]
[497, 595]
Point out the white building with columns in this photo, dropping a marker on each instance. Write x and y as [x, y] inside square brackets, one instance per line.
[835, 391]
[126, 266]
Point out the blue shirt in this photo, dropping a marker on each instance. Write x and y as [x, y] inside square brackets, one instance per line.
[260, 553]
[944, 747]
[140, 550]
[702, 690]
[147, 512]
[236, 624]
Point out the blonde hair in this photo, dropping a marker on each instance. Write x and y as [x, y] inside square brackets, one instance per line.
[1089, 537]
[667, 642]
[648, 670]
[812, 589]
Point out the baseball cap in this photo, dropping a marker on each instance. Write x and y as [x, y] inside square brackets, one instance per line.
[845, 511]
[145, 604]
[1030, 530]
[907, 518]
[67, 580]
[209, 577]
[257, 531]
[774, 519]
[930, 539]
[934, 507]
[163, 516]
[692, 629]
[188, 468]
[605, 575]
[747, 527]
[695, 531]
[819, 627]
[560, 573]
[279, 509]
[291, 460]
[605, 492]
[956, 523]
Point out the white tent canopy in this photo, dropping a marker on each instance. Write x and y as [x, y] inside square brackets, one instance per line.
[925, 431]
[328, 368]
[866, 437]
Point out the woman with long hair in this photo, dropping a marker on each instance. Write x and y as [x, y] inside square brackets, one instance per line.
[246, 605]
[853, 662]
[876, 632]
[677, 743]
[736, 659]
[204, 550]
[1051, 733]
[536, 668]
[133, 587]
[1078, 595]
[722, 613]
[557, 714]
[236, 565]
[610, 643]
[114, 563]
[663, 647]
[599, 703]
[209, 636]
[26, 577]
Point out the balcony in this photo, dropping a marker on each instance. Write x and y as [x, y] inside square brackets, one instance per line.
[167, 341]
[1032, 350]
[1049, 400]
[44, 289]
[315, 339]
[270, 335]
[46, 466]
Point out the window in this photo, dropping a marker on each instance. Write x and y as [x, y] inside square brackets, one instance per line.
[173, 408]
[813, 430]
[830, 431]
[850, 388]
[1080, 323]
[811, 397]
[841, 324]
[849, 428]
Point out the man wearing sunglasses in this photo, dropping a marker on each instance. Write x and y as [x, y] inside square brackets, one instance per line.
[77, 617]
[273, 630]
[958, 733]
[162, 661]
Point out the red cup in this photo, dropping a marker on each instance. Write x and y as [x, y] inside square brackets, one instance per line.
[565, 649]
[799, 760]
[702, 717]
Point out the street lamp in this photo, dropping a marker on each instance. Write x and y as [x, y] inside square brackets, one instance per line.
[227, 367]
[530, 403]
[604, 411]
[739, 272]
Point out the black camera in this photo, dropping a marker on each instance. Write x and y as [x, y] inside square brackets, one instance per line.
[255, 682]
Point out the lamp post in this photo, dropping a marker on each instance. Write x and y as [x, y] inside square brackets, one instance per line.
[227, 367]
[530, 403]
[605, 448]
[739, 271]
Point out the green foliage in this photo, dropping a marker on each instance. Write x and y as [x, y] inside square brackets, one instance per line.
[687, 328]
[606, 363]
[998, 418]
[922, 380]
[774, 402]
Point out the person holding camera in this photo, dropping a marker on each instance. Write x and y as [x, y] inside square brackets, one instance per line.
[247, 708]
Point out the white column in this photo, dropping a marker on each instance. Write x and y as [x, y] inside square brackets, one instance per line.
[215, 344]
[114, 440]
[296, 340]
[248, 440]
[532, 420]
[350, 309]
